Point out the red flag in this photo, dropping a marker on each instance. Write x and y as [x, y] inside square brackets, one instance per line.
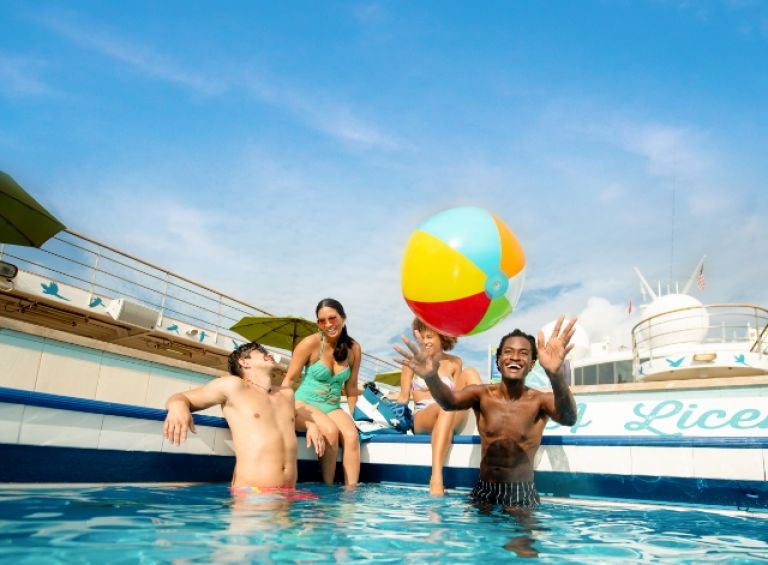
[629, 308]
[700, 278]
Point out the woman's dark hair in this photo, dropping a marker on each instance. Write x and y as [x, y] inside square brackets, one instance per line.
[341, 351]
[447, 342]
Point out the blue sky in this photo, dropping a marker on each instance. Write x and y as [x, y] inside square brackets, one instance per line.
[284, 152]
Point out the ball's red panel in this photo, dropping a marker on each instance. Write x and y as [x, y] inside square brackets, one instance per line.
[452, 317]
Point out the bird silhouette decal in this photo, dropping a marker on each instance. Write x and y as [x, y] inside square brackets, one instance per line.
[52, 289]
[675, 363]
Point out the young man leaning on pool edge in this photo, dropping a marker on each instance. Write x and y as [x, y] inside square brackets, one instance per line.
[510, 416]
[260, 416]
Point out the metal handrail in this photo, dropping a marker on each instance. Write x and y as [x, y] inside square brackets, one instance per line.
[161, 269]
[734, 323]
[176, 290]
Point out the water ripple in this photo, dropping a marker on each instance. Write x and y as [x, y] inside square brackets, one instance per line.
[376, 523]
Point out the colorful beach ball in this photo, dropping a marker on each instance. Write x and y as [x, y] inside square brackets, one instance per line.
[463, 271]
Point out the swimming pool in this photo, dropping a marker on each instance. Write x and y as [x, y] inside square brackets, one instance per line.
[379, 523]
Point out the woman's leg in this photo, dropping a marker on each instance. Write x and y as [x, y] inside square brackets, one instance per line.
[330, 432]
[350, 443]
[436, 421]
[442, 437]
[467, 377]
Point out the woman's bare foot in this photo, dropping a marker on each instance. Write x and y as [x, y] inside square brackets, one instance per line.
[436, 488]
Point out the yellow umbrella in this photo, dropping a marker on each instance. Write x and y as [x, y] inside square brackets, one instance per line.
[23, 221]
[283, 333]
[388, 378]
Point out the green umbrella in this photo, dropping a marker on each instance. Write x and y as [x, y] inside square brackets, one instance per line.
[283, 333]
[23, 221]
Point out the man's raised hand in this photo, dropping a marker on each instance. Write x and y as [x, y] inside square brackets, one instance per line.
[552, 352]
[418, 359]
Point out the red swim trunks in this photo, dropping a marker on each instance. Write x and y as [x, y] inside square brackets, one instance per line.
[283, 493]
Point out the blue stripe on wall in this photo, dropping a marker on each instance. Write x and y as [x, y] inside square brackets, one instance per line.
[60, 402]
[660, 441]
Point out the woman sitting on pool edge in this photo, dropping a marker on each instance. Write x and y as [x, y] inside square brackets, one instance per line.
[428, 417]
[330, 360]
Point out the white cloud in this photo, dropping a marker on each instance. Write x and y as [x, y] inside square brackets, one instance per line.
[319, 111]
[315, 109]
[19, 76]
[668, 150]
[136, 56]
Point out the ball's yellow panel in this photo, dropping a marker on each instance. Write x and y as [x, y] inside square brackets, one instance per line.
[434, 272]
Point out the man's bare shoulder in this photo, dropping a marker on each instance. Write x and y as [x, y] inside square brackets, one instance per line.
[229, 385]
[229, 380]
[538, 395]
[285, 391]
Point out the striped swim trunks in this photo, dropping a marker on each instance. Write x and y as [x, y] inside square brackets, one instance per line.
[520, 495]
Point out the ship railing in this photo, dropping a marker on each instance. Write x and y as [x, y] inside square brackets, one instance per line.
[104, 271]
[734, 324]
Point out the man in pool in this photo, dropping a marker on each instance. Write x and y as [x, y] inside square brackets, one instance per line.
[510, 416]
[260, 415]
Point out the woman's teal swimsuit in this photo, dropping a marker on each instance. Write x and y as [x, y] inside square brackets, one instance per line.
[320, 387]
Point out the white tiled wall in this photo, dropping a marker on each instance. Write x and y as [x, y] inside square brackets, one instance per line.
[67, 369]
[10, 422]
[61, 428]
[123, 380]
[662, 461]
[765, 464]
[19, 359]
[164, 382]
[584, 459]
[736, 464]
[201, 443]
[130, 434]
[29, 362]
[223, 442]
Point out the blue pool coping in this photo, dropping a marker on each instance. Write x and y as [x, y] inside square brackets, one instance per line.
[62, 402]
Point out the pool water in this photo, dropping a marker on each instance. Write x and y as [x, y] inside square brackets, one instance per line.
[377, 523]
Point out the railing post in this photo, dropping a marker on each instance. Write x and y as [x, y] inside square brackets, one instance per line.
[165, 294]
[218, 319]
[95, 270]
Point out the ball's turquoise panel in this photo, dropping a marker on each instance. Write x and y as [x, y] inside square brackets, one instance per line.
[472, 232]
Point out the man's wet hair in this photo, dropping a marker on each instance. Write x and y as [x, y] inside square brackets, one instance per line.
[517, 333]
[243, 352]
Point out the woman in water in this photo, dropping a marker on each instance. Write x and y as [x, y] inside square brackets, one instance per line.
[330, 361]
[428, 417]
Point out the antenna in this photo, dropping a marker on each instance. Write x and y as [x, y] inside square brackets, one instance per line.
[644, 285]
[672, 227]
[672, 235]
[694, 275]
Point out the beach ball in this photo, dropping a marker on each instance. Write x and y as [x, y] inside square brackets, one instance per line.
[463, 271]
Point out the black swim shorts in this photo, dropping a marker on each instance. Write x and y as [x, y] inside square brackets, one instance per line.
[520, 495]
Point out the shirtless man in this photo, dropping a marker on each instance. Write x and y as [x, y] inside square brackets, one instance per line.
[260, 416]
[510, 416]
